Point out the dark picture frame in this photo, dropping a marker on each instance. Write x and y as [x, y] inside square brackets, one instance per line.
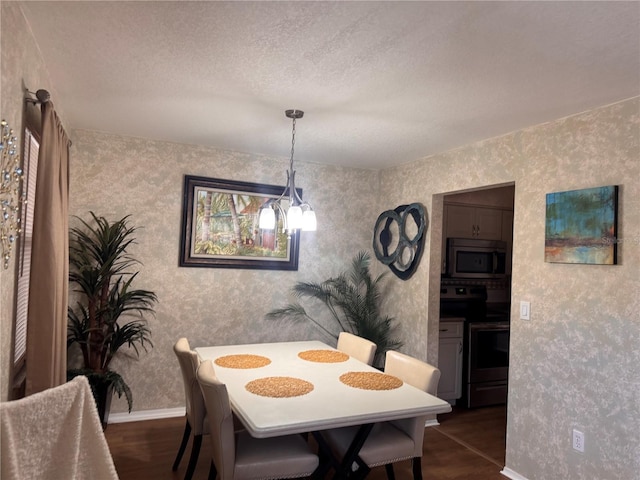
[220, 226]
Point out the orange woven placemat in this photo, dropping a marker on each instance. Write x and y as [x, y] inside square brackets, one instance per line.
[242, 361]
[370, 380]
[324, 356]
[279, 387]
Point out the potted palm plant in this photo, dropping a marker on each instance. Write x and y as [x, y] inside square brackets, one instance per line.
[109, 312]
[353, 300]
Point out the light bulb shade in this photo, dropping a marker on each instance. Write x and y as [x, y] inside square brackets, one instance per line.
[267, 218]
[309, 221]
[294, 218]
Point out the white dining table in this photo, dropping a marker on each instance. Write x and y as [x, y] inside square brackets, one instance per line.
[330, 404]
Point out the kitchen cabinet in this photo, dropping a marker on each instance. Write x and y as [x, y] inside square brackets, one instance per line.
[450, 360]
[468, 221]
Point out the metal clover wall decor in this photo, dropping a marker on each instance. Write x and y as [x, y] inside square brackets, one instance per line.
[398, 239]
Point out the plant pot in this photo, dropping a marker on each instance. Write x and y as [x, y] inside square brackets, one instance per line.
[102, 390]
[102, 393]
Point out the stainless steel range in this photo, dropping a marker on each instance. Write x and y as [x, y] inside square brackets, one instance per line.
[486, 342]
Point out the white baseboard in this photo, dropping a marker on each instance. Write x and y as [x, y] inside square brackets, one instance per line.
[507, 472]
[146, 415]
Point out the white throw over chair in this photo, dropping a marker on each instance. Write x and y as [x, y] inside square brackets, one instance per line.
[391, 442]
[357, 347]
[238, 455]
[54, 434]
[196, 412]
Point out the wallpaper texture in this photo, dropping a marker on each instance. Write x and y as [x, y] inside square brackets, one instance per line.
[115, 176]
[573, 365]
[22, 68]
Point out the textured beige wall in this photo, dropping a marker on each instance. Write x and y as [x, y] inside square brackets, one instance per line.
[22, 67]
[115, 176]
[581, 347]
[575, 364]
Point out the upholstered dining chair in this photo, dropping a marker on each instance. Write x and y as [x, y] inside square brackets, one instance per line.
[238, 455]
[357, 347]
[391, 442]
[195, 418]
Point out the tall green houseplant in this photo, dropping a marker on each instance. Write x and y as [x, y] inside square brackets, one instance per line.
[109, 312]
[353, 300]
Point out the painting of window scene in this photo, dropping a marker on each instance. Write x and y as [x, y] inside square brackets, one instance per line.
[581, 226]
[220, 226]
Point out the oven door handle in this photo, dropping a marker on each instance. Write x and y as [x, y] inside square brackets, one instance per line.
[488, 326]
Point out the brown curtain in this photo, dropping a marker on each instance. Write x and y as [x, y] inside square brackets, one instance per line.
[48, 288]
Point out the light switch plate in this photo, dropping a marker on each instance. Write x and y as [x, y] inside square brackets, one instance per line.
[525, 310]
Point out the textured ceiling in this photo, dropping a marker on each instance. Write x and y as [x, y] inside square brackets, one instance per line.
[381, 83]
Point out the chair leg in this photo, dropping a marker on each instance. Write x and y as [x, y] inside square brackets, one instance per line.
[213, 473]
[417, 468]
[193, 460]
[362, 471]
[390, 473]
[183, 445]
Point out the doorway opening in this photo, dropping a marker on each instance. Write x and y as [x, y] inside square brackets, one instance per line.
[472, 301]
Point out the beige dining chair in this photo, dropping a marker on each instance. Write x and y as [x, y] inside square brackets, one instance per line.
[195, 416]
[357, 347]
[391, 442]
[238, 455]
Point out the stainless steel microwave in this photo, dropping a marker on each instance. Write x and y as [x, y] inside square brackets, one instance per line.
[472, 258]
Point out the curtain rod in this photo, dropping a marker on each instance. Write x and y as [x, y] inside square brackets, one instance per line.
[42, 96]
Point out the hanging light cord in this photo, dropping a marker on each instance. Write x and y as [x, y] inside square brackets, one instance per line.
[291, 184]
[293, 143]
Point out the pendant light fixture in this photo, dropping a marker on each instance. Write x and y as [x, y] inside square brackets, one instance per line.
[299, 215]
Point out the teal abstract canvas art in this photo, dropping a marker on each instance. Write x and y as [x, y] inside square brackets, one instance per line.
[581, 226]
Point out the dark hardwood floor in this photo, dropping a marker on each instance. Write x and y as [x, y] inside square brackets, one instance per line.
[467, 445]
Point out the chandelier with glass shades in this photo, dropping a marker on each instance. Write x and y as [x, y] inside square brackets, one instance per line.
[299, 215]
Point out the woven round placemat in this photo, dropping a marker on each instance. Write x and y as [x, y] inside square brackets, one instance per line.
[242, 361]
[324, 356]
[279, 387]
[370, 380]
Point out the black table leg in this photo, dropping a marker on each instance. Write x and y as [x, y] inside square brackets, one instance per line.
[343, 469]
[327, 459]
[351, 454]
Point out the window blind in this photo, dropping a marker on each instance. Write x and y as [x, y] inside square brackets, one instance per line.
[30, 168]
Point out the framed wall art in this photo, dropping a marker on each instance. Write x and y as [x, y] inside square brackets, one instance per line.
[220, 227]
[582, 226]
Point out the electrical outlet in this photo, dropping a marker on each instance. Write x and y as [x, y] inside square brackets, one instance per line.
[578, 441]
